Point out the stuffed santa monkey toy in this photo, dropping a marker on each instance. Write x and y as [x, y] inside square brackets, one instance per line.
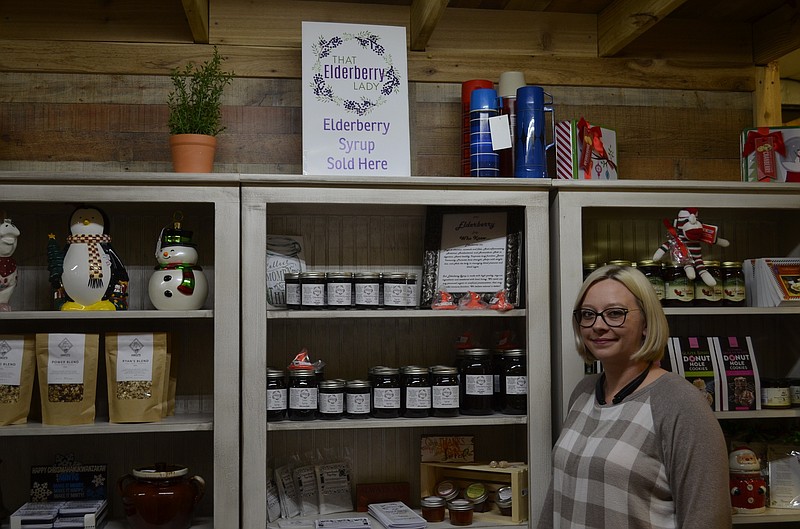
[687, 232]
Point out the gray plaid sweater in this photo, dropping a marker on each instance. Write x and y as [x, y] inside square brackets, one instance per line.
[656, 460]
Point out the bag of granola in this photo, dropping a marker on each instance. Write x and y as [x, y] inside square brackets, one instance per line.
[135, 365]
[17, 371]
[67, 366]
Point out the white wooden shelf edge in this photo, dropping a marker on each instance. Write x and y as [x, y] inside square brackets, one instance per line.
[401, 422]
[106, 314]
[175, 423]
[390, 313]
[770, 516]
[758, 414]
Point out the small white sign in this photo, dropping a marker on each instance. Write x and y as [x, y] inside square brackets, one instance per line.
[500, 130]
[355, 100]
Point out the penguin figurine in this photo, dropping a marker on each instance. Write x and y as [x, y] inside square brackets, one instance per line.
[8, 266]
[178, 283]
[92, 276]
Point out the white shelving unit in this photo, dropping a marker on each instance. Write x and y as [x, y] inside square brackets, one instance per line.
[204, 433]
[378, 224]
[596, 222]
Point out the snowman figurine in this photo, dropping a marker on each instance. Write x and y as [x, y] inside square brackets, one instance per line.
[92, 276]
[178, 283]
[8, 266]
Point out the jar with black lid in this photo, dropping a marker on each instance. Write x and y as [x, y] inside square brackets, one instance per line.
[709, 296]
[477, 383]
[415, 398]
[794, 392]
[331, 399]
[303, 395]
[291, 281]
[358, 399]
[733, 284]
[620, 262]
[312, 290]
[678, 289]
[386, 393]
[367, 286]
[588, 268]
[514, 382]
[394, 290]
[497, 370]
[444, 391]
[276, 395]
[339, 290]
[411, 292]
[652, 271]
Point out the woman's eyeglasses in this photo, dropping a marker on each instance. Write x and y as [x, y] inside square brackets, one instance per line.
[614, 317]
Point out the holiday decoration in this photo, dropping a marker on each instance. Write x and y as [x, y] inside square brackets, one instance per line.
[88, 274]
[178, 283]
[8, 266]
[748, 488]
[685, 234]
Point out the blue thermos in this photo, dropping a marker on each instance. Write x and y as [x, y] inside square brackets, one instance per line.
[531, 151]
[483, 160]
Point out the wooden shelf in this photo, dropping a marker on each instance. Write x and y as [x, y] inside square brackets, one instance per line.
[107, 315]
[401, 422]
[770, 516]
[422, 313]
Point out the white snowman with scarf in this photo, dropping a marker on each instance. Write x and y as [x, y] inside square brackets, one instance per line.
[178, 283]
[8, 266]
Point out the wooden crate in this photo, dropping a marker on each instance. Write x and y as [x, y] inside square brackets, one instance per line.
[515, 476]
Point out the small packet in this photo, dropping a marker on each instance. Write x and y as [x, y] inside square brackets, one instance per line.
[17, 373]
[472, 301]
[443, 301]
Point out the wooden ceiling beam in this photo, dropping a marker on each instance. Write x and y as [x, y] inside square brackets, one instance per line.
[197, 15]
[623, 21]
[776, 34]
[425, 14]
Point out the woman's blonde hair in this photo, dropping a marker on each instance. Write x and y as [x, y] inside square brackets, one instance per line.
[655, 340]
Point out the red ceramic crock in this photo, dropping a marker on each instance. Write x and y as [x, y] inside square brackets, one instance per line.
[160, 496]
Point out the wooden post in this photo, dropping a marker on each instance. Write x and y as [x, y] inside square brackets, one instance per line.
[767, 96]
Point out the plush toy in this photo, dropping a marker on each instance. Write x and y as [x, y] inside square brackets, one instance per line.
[683, 245]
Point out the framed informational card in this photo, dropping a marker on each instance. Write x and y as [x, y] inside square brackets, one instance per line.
[355, 100]
[472, 250]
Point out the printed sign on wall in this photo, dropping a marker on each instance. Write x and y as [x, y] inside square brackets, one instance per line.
[355, 100]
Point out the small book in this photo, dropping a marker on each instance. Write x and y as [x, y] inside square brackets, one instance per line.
[740, 383]
[772, 281]
[396, 515]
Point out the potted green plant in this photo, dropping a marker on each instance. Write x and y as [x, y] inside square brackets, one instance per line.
[195, 116]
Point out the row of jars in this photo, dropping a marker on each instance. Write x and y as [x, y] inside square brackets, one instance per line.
[348, 290]
[674, 289]
[462, 503]
[410, 391]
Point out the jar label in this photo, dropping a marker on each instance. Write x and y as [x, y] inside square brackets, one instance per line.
[303, 398]
[276, 399]
[445, 397]
[292, 294]
[480, 385]
[340, 294]
[394, 295]
[775, 397]
[418, 398]
[358, 403]
[517, 385]
[794, 392]
[331, 403]
[387, 398]
[658, 286]
[367, 294]
[703, 292]
[410, 294]
[313, 295]
[733, 289]
[680, 290]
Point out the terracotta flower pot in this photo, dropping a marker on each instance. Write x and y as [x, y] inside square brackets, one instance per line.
[192, 153]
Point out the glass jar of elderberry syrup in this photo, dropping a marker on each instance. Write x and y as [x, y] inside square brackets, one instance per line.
[291, 281]
[444, 391]
[358, 399]
[415, 396]
[331, 399]
[386, 393]
[303, 395]
[339, 290]
[276, 395]
[514, 382]
[312, 290]
[477, 382]
[394, 291]
[367, 287]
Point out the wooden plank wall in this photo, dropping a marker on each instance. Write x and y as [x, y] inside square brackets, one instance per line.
[96, 122]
